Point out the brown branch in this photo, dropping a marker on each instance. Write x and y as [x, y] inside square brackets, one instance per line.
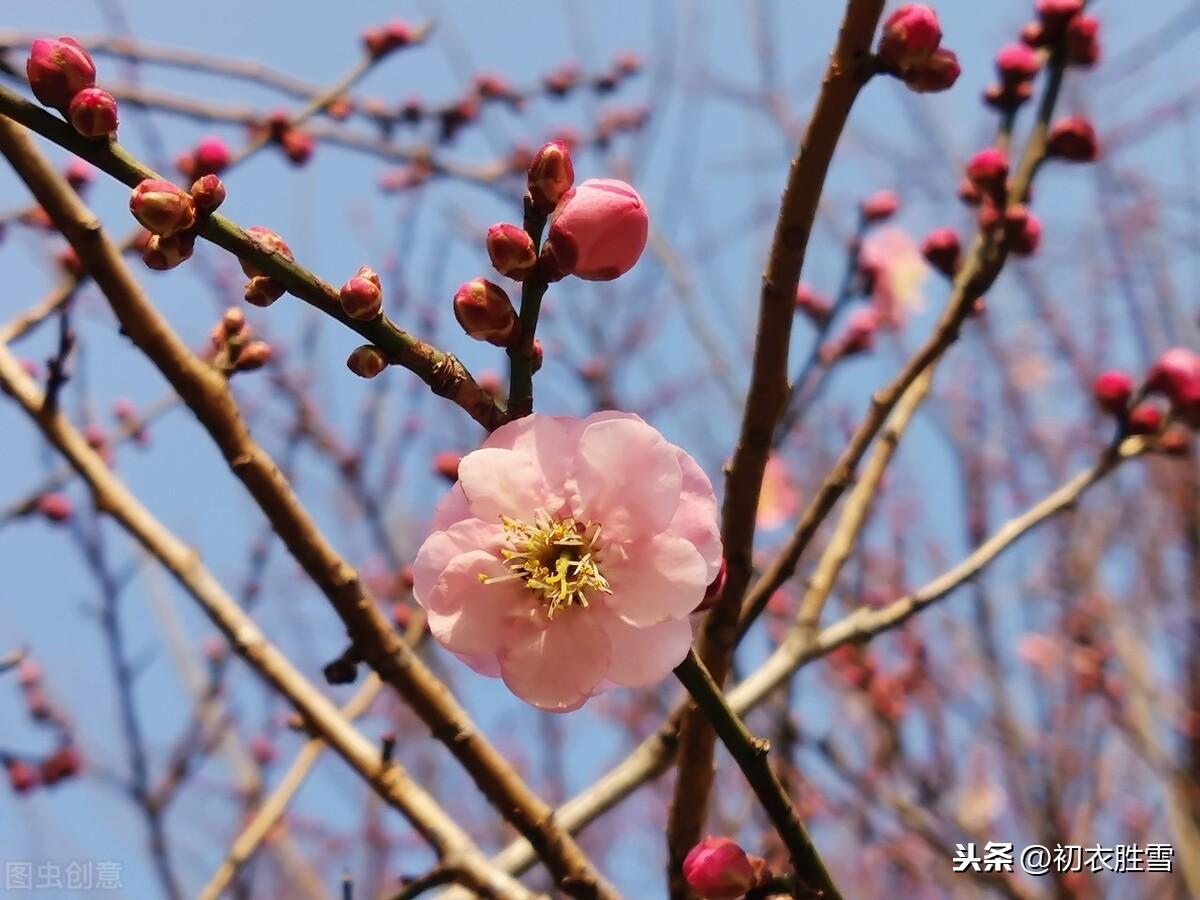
[207, 394]
[847, 72]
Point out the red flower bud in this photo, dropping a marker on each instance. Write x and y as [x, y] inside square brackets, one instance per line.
[988, 171]
[1176, 374]
[1073, 139]
[1033, 35]
[262, 291]
[55, 507]
[812, 304]
[254, 355]
[910, 36]
[551, 175]
[880, 206]
[511, 251]
[362, 296]
[29, 674]
[162, 208]
[298, 146]
[1113, 390]
[446, 465]
[62, 764]
[597, 232]
[366, 361]
[79, 174]
[70, 262]
[383, 40]
[559, 82]
[718, 869]
[938, 73]
[208, 192]
[1145, 419]
[1024, 230]
[1057, 13]
[211, 157]
[93, 112]
[1083, 41]
[860, 332]
[269, 242]
[942, 250]
[163, 253]
[262, 750]
[1017, 63]
[485, 312]
[22, 777]
[58, 70]
[539, 354]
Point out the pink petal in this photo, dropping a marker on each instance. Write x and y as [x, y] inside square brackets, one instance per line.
[548, 443]
[645, 656]
[556, 665]
[696, 518]
[468, 617]
[450, 509]
[628, 479]
[653, 580]
[502, 483]
[443, 546]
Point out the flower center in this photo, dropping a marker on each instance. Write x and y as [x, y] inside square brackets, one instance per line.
[556, 559]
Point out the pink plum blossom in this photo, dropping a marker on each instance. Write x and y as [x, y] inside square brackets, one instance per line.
[597, 232]
[895, 270]
[568, 557]
[718, 869]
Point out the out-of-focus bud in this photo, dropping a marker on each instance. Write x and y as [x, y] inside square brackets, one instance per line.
[262, 291]
[1074, 140]
[1024, 230]
[485, 312]
[1145, 419]
[22, 777]
[718, 869]
[58, 70]
[55, 507]
[560, 82]
[910, 36]
[1113, 390]
[1175, 442]
[538, 356]
[1033, 35]
[79, 174]
[1176, 374]
[60, 765]
[208, 192]
[597, 232]
[98, 441]
[70, 262]
[29, 674]
[254, 355]
[93, 113]
[936, 74]
[362, 296]
[1017, 63]
[262, 750]
[1057, 13]
[366, 361]
[446, 465]
[551, 174]
[164, 253]
[1008, 97]
[211, 157]
[511, 251]
[988, 171]
[233, 322]
[298, 146]
[942, 250]
[491, 86]
[812, 304]
[269, 242]
[712, 593]
[492, 383]
[968, 193]
[162, 208]
[880, 206]
[1083, 41]
[860, 332]
[384, 39]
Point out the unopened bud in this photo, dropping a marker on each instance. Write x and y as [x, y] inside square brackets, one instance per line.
[942, 250]
[812, 304]
[1024, 230]
[511, 251]
[1145, 419]
[551, 175]
[880, 206]
[79, 174]
[485, 312]
[254, 355]
[163, 253]
[988, 171]
[1083, 41]
[446, 465]
[93, 113]
[298, 146]
[1176, 374]
[233, 322]
[262, 750]
[362, 296]
[262, 291]
[718, 869]
[936, 74]
[1073, 140]
[384, 39]
[62, 764]
[162, 208]
[1017, 63]
[910, 36]
[712, 593]
[208, 192]
[22, 777]
[269, 242]
[58, 70]
[1057, 13]
[1113, 390]
[366, 361]
[211, 157]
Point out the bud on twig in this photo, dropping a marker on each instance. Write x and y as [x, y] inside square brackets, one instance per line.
[485, 312]
[511, 251]
[164, 253]
[366, 361]
[58, 70]
[551, 175]
[93, 113]
[161, 207]
[208, 192]
[362, 296]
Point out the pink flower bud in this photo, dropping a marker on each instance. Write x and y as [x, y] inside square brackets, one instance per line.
[910, 35]
[362, 296]
[880, 206]
[1176, 374]
[1024, 230]
[79, 174]
[262, 291]
[1145, 419]
[70, 262]
[163, 253]
[1017, 63]
[485, 312]
[491, 86]
[718, 869]
[254, 355]
[860, 332]
[62, 764]
[942, 250]
[936, 74]
[511, 251]
[988, 171]
[58, 70]
[551, 175]
[233, 322]
[1033, 35]
[55, 508]
[1074, 140]
[597, 232]
[22, 777]
[29, 674]
[383, 40]
[262, 750]
[208, 192]
[812, 304]
[211, 157]
[1083, 41]
[268, 241]
[298, 146]
[366, 361]
[1112, 390]
[446, 465]
[560, 82]
[93, 113]
[163, 208]
[1057, 13]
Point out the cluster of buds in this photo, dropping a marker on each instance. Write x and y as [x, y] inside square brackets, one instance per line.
[62, 76]
[986, 186]
[718, 869]
[262, 290]
[173, 217]
[297, 145]
[1065, 20]
[910, 49]
[209, 157]
[233, 347]
[60, 765]
[1174, 376]
[1016, 65]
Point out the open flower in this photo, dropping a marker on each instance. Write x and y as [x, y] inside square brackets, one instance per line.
[568, 556]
